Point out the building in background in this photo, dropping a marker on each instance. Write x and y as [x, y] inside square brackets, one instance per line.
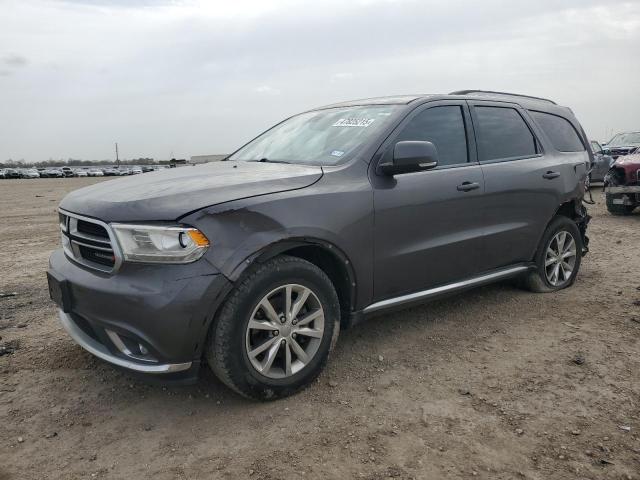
[196, 159]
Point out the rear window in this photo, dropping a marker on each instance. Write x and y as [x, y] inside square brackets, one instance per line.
[503, 134]
[563, 136]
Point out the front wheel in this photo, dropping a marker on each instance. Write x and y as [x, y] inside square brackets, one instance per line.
[274, 333]
[558, 258]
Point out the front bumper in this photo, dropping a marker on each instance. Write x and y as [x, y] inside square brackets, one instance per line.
[150, 319]
[623, 189]
[101, 351]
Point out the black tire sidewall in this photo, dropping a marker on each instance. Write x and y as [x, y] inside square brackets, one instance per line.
[559, 224]
[243, 374]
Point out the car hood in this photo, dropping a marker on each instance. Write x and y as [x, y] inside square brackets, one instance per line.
[172, 193]
[629, 160]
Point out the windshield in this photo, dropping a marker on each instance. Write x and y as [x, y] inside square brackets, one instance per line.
[323, 137]
[625, 140]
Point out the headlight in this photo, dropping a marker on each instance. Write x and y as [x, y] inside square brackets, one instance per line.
[160, 244]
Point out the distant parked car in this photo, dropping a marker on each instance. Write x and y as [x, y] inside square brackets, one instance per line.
[601, 163]
[147, 168]
[136, 170]
[622, 144]
[114, 172]
[67, 171]
[80, 172]
[54, 173]
[95, 172]
[29, 173]
[11, 173]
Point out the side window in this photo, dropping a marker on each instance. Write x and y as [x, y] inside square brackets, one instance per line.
[563, 136]
[595, 147]
[444, 127]
[502, 134]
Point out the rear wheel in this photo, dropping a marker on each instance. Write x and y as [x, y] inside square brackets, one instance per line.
[274, 333]
[558, 258]
[616, 208]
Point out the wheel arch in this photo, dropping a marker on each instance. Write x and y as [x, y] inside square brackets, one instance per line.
[576, 211]
[569, 209]
[325, 255]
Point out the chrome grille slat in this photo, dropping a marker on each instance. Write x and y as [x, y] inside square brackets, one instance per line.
[88, 245]
[88, 249]
[91, 238]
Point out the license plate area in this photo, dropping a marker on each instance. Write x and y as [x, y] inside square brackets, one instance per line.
[59, 292]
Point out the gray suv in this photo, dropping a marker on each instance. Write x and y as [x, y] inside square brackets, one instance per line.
[254, 264]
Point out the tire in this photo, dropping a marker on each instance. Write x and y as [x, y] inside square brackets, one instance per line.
[615, 209]
[231, 338]
[538, 280]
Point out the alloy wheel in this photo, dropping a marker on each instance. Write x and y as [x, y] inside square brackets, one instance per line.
[560, 258]
[284, 331]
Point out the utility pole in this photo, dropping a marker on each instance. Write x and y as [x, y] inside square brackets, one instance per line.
[117, 158]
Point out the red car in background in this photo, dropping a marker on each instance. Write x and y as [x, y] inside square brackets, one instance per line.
[622, 184]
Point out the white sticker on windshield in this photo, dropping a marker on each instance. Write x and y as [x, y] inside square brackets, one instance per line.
[337, 153]
[354, 122]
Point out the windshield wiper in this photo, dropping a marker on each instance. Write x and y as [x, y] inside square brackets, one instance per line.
[266, 160]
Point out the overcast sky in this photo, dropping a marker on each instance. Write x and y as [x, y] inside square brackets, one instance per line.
[189, 77]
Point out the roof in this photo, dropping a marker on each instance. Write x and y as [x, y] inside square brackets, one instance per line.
[488, 93]
[391, 100]
[526, 101]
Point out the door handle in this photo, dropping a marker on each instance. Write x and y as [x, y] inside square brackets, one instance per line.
[467, 186]
[549, 175]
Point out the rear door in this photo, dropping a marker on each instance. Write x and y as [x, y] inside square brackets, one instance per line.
[428, 225]
[524, 182]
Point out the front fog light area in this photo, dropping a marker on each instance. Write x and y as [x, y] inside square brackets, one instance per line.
[160, 244]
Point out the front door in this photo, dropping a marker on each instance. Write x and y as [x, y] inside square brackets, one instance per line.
[428, 225]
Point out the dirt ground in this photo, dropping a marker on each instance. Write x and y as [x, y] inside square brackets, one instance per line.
[496, 383]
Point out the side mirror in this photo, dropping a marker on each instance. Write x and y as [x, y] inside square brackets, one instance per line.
[411, 156]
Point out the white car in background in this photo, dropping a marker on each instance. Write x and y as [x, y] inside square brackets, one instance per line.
[80, 173]
[95, 172]
[136, 170]
[29, 173]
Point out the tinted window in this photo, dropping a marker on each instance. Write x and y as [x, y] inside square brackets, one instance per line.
[563, 136]
[444, 127]
[502, 133]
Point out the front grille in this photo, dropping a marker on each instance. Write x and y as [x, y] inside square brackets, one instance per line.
[92, 229]
[97, 256]
[88, 241]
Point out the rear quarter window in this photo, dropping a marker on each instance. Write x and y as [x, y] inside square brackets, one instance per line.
[563, 136]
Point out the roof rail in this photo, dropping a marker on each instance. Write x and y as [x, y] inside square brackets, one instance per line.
[469, 92]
